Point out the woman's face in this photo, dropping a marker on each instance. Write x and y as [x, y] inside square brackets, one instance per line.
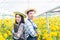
[18, 18]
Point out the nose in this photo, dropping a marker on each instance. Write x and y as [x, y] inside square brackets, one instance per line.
[17, 18]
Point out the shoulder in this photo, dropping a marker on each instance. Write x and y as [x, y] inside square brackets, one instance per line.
[22, 24]
[27, 21]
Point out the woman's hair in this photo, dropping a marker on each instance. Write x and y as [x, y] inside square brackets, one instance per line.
[22, 19]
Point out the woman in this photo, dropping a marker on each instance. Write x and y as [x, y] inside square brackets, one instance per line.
[18, 31]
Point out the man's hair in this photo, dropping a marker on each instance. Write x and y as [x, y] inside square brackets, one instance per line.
[30, 11]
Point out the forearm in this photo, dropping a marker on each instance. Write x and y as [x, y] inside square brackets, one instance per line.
[20, 31]
[32, 32]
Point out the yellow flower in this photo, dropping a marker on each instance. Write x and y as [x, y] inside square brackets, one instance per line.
[8, 22]
[58, 28]
[0, 33]
[53, 33]
[8, 32]
[38, 31]
[43, 22]
[49, 38]
[59, 34]
[1, 37]
[5, 35]
[0, 22]
[45, 31]
[53, 27]
[45, 35]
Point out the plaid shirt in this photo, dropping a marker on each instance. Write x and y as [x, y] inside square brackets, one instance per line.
[20, 32]
[30, 28]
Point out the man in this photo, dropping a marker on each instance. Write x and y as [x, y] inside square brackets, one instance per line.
[30, 26]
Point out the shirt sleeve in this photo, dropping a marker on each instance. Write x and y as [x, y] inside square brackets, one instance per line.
[35, 25]
[30, 29]
[20, 30]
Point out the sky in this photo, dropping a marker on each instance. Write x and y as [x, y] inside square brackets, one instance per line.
[9, 6]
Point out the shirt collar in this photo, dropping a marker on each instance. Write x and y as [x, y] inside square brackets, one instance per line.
[30, 20]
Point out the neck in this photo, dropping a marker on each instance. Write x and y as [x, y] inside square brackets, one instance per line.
[30, 18]
[19, 23]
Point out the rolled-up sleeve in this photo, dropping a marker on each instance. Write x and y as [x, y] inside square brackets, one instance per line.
[30, 29]
[20, 31]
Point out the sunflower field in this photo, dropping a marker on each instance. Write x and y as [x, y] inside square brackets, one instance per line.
[48, 27]
[6, 26]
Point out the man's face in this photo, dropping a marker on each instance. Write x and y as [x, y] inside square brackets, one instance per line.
[31, 14]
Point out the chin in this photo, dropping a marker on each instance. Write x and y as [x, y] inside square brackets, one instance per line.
[17, 22]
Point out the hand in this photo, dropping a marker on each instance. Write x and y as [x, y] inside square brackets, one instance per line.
[15, 34]
[38, 31]
[36, 35]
